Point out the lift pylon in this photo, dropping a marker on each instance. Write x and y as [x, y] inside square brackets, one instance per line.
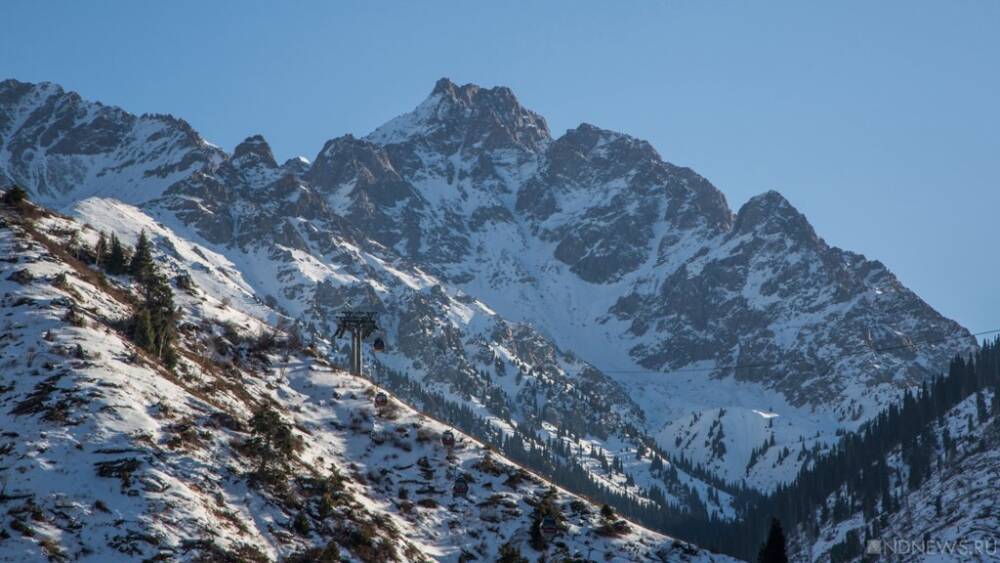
[361, 325]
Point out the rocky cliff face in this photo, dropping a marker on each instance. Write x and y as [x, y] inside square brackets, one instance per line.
[65, 147]
[475, 233]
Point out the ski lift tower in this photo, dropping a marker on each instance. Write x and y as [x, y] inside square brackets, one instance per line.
[361, 325]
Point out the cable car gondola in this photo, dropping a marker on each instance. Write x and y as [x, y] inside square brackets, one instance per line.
[379, 344]
[448, 439]
[548, 528]
[461, 487]
[381, 399]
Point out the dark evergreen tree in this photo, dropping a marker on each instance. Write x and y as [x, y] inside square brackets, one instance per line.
[159, 302]
[143, 334]
[271, 443]
[981, 409]
[510, 554]
[101, 250]
[773, 550]
[152, 323]
[142, 265]
[15, 196]
[607, 512]
[301, 524]
[117, 261]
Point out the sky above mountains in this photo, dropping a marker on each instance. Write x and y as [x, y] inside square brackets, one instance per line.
[878, 120]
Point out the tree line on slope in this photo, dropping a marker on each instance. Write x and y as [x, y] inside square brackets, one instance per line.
[152, 325]
[557, 462]
[857, 472]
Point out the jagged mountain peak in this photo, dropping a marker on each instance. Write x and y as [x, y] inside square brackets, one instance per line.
[590, 142]
[296, 165]
[254, 151]
[348, 150]
[101, 150]
[588, 133]
[343, 157]
[454, 116]
[771, 213]
[11, 86]
[472, 94]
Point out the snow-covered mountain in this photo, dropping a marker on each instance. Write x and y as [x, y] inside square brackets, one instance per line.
[580, 289]
[107, 455]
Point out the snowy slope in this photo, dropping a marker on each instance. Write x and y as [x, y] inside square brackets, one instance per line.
[506, 374]
[107, 456]
[586, 263]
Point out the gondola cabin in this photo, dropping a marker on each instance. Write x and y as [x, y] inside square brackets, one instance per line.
[379, 344]
[548, 528]
[461, 487]
[381, 400]
[448, 439]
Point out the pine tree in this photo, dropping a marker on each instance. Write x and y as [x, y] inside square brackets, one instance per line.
[981, 410]
[15, 196]
[142, 331]
[510, 554]
[656, 464]
[141, 265]
[607, 512]
[301, 524]
[101, 250]
[117, 262]
[773, 550]
[272, 442]
[159, 302]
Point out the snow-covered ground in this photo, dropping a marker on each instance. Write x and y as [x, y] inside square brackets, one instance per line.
[106, 456]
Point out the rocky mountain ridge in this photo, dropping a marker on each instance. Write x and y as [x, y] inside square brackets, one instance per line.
[475, 233]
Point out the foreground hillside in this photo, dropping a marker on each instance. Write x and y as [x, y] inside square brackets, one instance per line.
[251, 447]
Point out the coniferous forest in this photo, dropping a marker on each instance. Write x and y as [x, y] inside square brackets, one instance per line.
[857, 467]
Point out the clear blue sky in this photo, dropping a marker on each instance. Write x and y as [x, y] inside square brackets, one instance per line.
[879, 120]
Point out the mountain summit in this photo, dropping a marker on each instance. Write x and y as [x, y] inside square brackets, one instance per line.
[453, 117]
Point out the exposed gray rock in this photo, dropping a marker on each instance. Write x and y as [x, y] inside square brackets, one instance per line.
[591, 237]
